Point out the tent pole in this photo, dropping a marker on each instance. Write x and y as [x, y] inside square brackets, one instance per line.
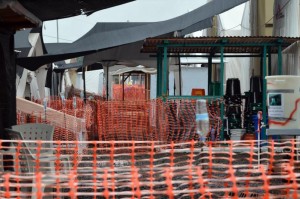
[123, 89]
[165, 73]
[264, 69]
[209, 75]
[159, 74]
[279, 60]
[107, 70]
[269, 61]
[222, 90]
[280, 41]
[84, 86]
[180, 76]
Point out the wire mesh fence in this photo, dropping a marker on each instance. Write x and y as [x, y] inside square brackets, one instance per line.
[150, 169]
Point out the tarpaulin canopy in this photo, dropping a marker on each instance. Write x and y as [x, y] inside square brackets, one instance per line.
[16, 15]
[49, 9]
[96, 41]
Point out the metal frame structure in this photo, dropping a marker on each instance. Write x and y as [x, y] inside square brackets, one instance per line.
[261, 47]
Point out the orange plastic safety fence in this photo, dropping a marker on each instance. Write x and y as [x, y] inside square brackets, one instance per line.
[131, 92]
[84, 111]
[181, 116]
[173, 120]
[136, 120]
[56, 103]
[160, 170]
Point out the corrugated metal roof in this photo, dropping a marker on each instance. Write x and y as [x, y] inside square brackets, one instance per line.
[247, 44]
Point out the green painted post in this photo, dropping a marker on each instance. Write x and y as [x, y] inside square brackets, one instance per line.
[222, 90]
[279, 60]
[209, 89]
[165, 73]
[159, 74]
[269, 61]
[264, 102]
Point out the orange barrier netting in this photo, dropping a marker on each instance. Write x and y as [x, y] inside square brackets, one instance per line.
[181, 116]
[82, 111]
[173, 120]
[135, 120]
[131, 92]
[151, 170]
[70, 124]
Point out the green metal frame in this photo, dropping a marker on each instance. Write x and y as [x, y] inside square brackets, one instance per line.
[264, 68]
[209, 74]
[194, 97]
[162, 69]
[159, 74]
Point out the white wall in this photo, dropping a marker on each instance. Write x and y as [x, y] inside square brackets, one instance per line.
[191, 78]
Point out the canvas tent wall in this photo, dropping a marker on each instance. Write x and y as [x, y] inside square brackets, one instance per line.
[285, 24]
[291, 57]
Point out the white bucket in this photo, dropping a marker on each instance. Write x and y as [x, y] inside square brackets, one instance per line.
[236, 134]
[283, 102]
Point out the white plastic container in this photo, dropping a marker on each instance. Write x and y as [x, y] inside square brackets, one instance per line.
[236, 134]
[202, 119]
[283, 102]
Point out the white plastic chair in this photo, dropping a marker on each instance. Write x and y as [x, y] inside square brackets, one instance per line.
[28, 153]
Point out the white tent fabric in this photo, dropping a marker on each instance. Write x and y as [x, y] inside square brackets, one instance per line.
[286, 15]
[291, 59]
[238, 67]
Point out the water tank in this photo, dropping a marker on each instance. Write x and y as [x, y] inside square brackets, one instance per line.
[283, 97]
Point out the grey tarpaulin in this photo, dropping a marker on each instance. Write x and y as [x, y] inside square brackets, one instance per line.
[197, 19]
[22, 47]
[29, 13]
[50, 9]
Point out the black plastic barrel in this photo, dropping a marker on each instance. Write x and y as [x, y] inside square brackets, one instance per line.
[256, 84]
[233, 87]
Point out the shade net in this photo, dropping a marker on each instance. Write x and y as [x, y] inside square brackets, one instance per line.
[150, 169]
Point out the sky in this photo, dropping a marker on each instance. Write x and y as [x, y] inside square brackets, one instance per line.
[70, 29]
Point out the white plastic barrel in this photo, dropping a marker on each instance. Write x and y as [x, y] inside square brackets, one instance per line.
[283, 102]
[202, 119]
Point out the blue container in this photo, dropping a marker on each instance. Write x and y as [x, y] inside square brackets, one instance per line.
[262, 133]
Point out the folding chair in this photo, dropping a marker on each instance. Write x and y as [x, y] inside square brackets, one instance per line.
[32, 152]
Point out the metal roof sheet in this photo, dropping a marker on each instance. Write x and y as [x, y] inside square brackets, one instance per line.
[210, 44]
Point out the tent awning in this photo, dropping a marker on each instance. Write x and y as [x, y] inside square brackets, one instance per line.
[51, 9]
[197, 19]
